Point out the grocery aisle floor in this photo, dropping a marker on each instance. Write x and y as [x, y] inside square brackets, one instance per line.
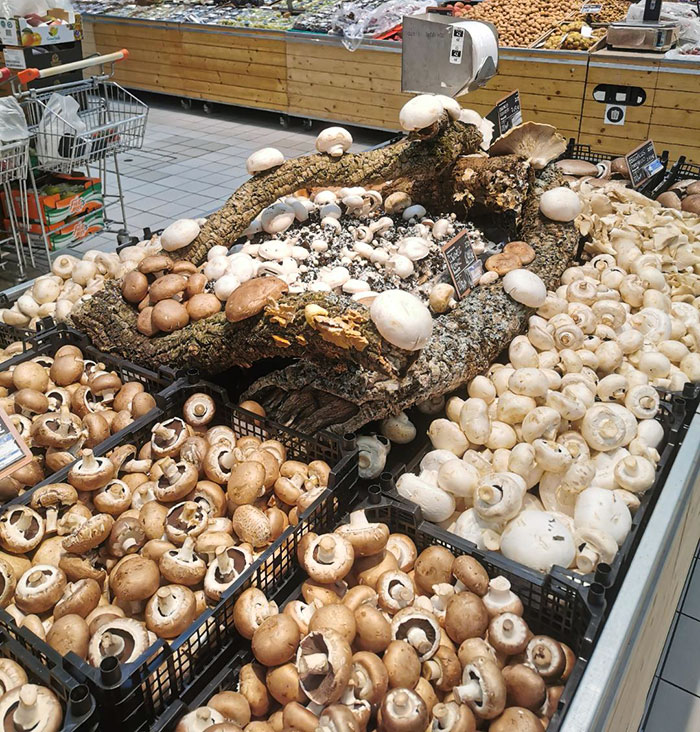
[674, 698]
[191, 162]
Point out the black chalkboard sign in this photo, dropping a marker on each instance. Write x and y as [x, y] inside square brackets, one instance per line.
[462, 263]
[643, 163]
[506, 114]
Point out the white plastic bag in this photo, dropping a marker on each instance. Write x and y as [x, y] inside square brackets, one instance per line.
[59, 135]
[13, 125]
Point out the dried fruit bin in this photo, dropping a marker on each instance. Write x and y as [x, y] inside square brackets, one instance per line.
[131, 696]
[47, 670]
[672, 415]
[552, 606]
[47, 342]
[651, 188]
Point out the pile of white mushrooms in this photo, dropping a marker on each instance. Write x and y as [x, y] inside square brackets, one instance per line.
[548, 455]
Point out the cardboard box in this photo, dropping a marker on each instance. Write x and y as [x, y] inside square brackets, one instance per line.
[70, 232]
[16, 31]
[45, 57]
[57, 208]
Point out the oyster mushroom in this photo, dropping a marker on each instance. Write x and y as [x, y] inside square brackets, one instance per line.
[539, 143]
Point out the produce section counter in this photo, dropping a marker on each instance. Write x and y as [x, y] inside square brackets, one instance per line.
[613, 689]
[314, 76]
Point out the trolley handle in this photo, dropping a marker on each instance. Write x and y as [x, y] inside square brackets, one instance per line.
[27, 75]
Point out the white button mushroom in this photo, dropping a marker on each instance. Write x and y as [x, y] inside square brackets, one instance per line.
[334, 141]
[420, 112]
[560, 204]
[264, 159]
[402, 319]
[277, 218]
[525, 287]
[539, 540]
[399, 429]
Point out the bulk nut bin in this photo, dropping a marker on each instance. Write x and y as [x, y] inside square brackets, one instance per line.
[37, 693]
[64, 406]
[550, 606]
[136, 668]
[609, 570]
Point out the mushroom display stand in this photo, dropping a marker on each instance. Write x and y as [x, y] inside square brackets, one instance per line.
[343, 373]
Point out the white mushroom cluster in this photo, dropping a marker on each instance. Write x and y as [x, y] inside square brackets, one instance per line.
[72, 281]
[546, 458]
[348, 241]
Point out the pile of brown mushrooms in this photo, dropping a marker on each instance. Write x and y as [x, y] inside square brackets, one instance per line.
[168, 294]
[385, 639]
[72, 281]
[683, 195]
[135, 545]
[62, 404]
[26, 706]
[11, 350]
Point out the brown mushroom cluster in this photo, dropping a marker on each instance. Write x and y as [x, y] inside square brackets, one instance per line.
[26, 706]
[135, 545]
[62, 404]
[385, 639]
[684, 195]
[168, 294]
[597, 175]
[11, 350]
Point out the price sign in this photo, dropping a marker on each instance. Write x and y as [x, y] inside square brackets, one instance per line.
[506, 114]
[643, 163]
[462, 264]
[591, 8]
[14, 453]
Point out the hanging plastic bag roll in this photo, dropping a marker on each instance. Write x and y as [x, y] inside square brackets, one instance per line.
[484, 45]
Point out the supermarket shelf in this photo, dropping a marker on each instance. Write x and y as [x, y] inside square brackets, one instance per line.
[614, 686]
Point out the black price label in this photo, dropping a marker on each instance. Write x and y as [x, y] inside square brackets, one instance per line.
[643, 163]
[14, 453]
[506, 114]
[462, 264]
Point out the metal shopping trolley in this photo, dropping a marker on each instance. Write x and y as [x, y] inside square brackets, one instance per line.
[78, 127]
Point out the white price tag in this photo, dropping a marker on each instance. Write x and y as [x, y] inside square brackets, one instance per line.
[591, 8]
[586, 31]
[457, 45]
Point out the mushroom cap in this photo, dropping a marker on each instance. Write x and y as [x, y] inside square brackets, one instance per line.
[402, 319]
[166, 286]
[179, 234]
[263, 159]
[538, 539]
[577, 167]
[560, 204]
[516, 719]
[41, 703]
[169, 315]
[522, 250]
[691, 203]
[420, 112]
[135, 578]
[252, 296]
[502, 263]
[537, 142]
[525, 287]
[327, 686]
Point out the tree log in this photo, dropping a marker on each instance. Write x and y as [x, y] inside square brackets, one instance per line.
[413, 158]
[464, 343]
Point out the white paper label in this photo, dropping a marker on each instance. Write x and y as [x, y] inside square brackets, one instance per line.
[14, 58]
[615, 114]
[457, 45]
[586, 31]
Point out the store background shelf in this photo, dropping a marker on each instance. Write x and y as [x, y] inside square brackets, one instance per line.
[131, 696]
[570, 613]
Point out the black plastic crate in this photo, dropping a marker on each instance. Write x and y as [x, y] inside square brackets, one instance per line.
[576, 151]
[131, 696]
[673, 412]
[47, 342]
[681, 170]
[552, 606]
[78, 704]
[11, 333]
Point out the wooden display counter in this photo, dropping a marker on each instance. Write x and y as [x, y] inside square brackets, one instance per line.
[314, 76]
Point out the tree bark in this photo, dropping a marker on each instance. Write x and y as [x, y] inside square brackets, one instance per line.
[464, 343]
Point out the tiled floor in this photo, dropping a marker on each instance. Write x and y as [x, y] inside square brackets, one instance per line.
[674, 699]
[192, 162]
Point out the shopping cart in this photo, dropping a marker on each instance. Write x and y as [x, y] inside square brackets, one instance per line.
[106, 120]
[14, 163]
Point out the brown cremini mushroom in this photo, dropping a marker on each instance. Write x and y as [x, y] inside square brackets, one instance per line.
[252, 296]
[323, 662]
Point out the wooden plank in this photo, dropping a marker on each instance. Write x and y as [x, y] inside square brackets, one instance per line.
[606, 144]
[561, 71]
[629, 131]
[351, 68]
[685, 101]
[327, 52]
[679, 81]
[189, 63]
[361, 97]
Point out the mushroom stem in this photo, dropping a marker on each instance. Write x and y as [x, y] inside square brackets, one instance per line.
[224, 562]
[227, 459]
[170, 470]
[432, 670]
[490, 494]
[35, 579]
[358, 520]
[401, 702]
[26, 714]
[314, 663]
[541, 656]
[587, 558]
[165, 433]
[166, 602]
[189, 514]
[89, 463]
[185, 553]
[419, 640]
[499, 589]
[326, 550]
[24, 522]
[471, 691]
[111, 645]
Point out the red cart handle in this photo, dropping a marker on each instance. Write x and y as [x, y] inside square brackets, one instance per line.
[27, 75]
[5, 75]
